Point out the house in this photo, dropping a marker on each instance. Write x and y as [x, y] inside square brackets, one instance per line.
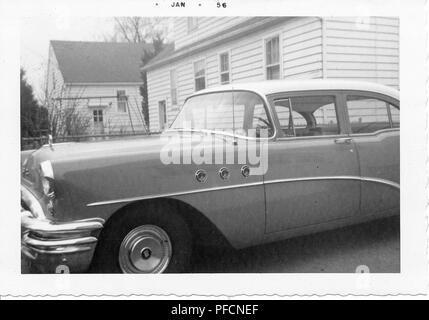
[101, 81]
[211, 51]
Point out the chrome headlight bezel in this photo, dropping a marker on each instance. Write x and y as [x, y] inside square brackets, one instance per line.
[47, 182]
[47, 179]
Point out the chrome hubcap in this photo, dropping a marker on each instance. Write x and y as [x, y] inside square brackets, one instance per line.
[145, 249]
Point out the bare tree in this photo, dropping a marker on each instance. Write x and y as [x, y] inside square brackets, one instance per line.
[140, 29]
[64, 114]
[153, 30]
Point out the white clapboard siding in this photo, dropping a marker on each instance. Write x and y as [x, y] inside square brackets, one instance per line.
[114, 121]
[159, 90]
[212, 70]
[363, 49]
[246, 63]
[206, 26]
[302, 48]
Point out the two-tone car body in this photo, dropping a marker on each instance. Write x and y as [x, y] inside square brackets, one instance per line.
[328, 156]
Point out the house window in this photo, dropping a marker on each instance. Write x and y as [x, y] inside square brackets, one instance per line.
[192, 23]
[122, 100]
[98, 116]
[173, 87]
[224, 68]
[162, 109]
[272, 58]
[200, 75]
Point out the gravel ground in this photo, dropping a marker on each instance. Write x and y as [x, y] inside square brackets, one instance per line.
[375, 244]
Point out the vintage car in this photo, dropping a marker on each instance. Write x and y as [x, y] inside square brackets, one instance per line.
[331, 159]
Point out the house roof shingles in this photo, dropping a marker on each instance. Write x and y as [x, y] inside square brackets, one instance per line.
[99, 62]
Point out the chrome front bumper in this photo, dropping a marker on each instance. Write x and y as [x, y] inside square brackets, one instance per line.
[51, 247]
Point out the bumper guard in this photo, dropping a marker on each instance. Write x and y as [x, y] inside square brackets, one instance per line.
[51, 247]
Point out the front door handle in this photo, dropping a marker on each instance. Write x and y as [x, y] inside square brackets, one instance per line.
[343, 140]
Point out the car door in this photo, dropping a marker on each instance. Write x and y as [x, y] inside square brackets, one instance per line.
[313, 169]
[230, 197]
[374, 129]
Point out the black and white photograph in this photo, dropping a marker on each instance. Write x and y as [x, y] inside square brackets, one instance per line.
[215, 142]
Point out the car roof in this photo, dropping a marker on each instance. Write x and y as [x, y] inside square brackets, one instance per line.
[276, 86]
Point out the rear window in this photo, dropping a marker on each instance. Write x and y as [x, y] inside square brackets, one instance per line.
[368, 114]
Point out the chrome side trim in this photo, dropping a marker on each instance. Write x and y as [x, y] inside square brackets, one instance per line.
[165, 195]
[382, 181]
[375, 133]
[376, 180]
[340, 135]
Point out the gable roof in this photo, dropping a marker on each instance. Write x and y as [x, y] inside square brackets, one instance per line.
[248, 27]
[99, 62]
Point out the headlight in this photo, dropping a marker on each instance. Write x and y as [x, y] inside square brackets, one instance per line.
[47, 176]
[48, 187]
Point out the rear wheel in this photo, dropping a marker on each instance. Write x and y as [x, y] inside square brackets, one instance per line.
[144, 240]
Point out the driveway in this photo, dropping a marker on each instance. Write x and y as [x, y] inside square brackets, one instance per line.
[375, 244]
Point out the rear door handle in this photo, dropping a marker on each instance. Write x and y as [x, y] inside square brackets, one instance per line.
[343, 140]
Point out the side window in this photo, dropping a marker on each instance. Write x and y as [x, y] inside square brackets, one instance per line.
[369, 114]
[394, 113]
[299, 122]
[307, 116]
[250, 114]
[241, 112]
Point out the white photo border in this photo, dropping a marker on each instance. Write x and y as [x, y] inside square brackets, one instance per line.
[411, 280]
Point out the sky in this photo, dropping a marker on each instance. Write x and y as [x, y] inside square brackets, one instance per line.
[36, 32]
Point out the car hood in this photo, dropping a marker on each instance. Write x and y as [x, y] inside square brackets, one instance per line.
[81, 150]
[87, 172]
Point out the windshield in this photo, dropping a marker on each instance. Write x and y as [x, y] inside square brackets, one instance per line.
[242, 112]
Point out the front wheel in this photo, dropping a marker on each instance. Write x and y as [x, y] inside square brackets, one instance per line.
[144, 241]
